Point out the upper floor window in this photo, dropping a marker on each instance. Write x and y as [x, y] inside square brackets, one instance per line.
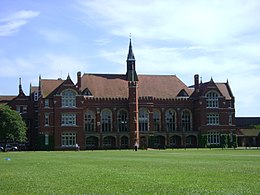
[89, 119]
[186, 120]
[21, 109]
[170, 120]
[46, 119]
[156, 120]
[46, 103]
[143, 120]
[122, 121]
[68, 98]
[213, 119]
[106, 120]
[35, 97]
[230, 119]
[212, 99]
[68, 119]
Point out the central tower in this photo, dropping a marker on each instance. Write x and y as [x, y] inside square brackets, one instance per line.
[132, 97]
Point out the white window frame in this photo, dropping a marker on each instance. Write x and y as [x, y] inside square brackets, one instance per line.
[89, 121]
[186, 121]
[122, 120]
[213, 119]
[143, 120]
[68, 98]
[68, 119]
[68, 139]
[156, 120]
[212, 99]
[213, 138]
[170, 120]
[106, 120]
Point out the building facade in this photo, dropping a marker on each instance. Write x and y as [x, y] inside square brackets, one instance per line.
[105, 111]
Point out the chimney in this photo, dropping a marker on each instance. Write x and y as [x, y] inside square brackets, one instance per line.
[79, 80]
[196, 81]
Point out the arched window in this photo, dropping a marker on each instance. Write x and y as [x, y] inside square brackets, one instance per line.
[89, 121]
[106, 120]
[170, 120]
[186, 121]
[143, 120]
[122, 121]
[156, 120]
[68, 98]
[212, 99]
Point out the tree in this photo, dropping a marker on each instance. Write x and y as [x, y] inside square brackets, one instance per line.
[12, 126]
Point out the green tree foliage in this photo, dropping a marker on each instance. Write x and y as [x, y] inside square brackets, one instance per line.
[12, 127]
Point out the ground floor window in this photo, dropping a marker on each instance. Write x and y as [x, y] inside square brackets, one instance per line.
[68, 139]
[213, 137]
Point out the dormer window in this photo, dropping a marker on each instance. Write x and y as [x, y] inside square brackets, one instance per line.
[212, 99]
[87, 92]
[68, 98]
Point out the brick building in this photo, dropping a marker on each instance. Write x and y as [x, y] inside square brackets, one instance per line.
[119, 110]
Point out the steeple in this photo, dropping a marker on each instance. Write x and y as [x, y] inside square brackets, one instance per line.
[130, 61]
[20, 88]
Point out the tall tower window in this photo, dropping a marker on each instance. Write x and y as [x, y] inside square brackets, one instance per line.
[89, 119]
[170, 120]
[106, 120]
[143, 120]
[122, 121]
[186, 121]
[156, 120]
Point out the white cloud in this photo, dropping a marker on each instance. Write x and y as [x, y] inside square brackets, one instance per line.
[13, 23]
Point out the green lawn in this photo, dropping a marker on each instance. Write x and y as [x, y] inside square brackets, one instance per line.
[180, 171]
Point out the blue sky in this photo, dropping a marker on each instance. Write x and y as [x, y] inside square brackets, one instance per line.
[51, 38]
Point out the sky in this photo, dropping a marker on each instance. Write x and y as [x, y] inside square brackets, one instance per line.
[217, 39]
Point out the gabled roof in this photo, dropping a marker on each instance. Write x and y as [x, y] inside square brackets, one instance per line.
[49, 85]
[4, 99]
[223, 88]
[249, 132]
[116, 85]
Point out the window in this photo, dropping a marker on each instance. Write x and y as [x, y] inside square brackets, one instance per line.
[230, 117]
[156, 120]
[21, 109]
[35, 96]
[212, 99]
[46, 139]
[89, 121]
[106, 120]
[46, 119]
[68, 98]
[170, 120]
[213, 137]
[46, 103]
[68, 139]
[122, 121]
[68, 119]
[186, 120]
[143, 120]
[213, 119]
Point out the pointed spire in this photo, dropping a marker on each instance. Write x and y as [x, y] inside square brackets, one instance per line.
[20, 86]
[130, 56]
[68, 77]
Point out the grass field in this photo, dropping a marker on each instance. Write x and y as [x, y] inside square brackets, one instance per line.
[179, 171]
